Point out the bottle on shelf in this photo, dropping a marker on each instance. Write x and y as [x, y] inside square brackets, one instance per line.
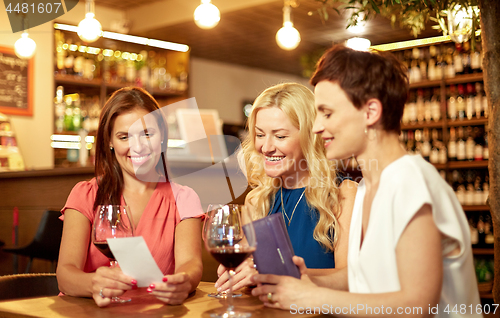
[452, 146]
[60, 108]
[457, 59]
[420, 103]
[469, 101]
[489, 239]
[478, 191]
[480, 231]
[426, 145]
[466, 58]
[431, 65]
[461, 154]
[469, 188]
[479, 144]
[461, 102]
[470, 145]
[478, 101]
[68, 113]
[436, 105]
[452, 103]
[474, 235]
[486, 189]
[449, 64]
[476, 59]
[486, 150]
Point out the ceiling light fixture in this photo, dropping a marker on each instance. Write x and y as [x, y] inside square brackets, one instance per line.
[206, 15]
[89, 29]
[460, 22]
[130, 38]
[25, 47]
[288, 38]
[358, 44]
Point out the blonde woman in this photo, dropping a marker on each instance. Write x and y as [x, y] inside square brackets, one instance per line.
[289, 173]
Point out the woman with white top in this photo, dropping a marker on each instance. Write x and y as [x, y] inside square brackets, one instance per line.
[409, 247]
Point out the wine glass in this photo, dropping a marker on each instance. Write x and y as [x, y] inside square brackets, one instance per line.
[230, 238]
[222, 294]
[111, 221]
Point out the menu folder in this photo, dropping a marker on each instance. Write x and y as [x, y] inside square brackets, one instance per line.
[274, 250]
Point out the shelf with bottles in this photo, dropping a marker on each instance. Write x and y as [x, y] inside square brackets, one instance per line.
[114, 64]
[476, 208]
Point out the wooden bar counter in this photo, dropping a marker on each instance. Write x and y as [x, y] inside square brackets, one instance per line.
[142, 304]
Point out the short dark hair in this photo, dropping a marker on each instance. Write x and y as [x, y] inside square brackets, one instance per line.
[365, 75]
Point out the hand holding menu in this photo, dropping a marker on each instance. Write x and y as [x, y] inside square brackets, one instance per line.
[136, 260]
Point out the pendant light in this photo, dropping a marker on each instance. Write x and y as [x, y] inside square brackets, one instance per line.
[288, 38]
[89, 29]
[25, 47]
[460, 22]
[358, 44]
[206, 15]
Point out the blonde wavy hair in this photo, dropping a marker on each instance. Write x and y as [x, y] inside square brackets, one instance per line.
[322, 193]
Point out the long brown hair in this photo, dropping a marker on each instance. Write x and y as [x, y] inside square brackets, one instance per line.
[107, 169]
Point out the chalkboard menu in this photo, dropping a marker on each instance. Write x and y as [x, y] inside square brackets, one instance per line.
[16, 83]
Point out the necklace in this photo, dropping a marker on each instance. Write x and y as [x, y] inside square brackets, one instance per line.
[283, 207]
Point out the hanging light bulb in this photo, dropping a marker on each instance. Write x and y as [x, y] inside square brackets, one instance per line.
[288, 38]
[89, 29]
[25, 47]
[460, 22]
[358, 44]
[206, 15]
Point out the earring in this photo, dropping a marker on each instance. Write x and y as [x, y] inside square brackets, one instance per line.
[111, 148]
[366, 131]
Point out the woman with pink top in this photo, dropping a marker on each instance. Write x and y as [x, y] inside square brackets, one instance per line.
[130, 170]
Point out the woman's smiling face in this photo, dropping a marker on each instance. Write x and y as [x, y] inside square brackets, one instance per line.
[340, 124]
[136, 139]
[278, 141]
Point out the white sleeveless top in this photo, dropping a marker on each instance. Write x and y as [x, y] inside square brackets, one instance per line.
[405, 186]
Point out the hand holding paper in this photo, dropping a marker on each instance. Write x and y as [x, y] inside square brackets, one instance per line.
[136, 260]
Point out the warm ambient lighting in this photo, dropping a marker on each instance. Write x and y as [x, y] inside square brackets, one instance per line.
[359, 44]
[288, 38]
[460, 22]
[206, 15]
[130, 38]
[25, 47]
[89, 29]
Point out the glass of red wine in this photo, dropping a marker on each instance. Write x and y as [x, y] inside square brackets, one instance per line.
[230, 238]
[111, 221]
[222, 294]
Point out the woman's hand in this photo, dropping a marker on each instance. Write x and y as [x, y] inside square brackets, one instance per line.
[241, 277]
[110, 282]
[174, 289]
[283, 291]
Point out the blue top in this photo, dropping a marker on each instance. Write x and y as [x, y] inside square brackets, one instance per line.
[301, 228]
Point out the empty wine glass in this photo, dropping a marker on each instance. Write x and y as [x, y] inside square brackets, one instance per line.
[230, 238]
[111, 221]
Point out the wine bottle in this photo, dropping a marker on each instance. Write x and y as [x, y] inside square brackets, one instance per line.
[461, 102]
[466, 58]
[461, 155]
[452, 103]
[436, 105]
[420, 105]
[479, 144]
[469, 101]
[60, 108]
[474, 237]
[476, 59]
[452, 146]
[478, 101]
[478, 191]
[426, 145]
[486, 150]
[469, 194]
[470, 145]
[457, 59]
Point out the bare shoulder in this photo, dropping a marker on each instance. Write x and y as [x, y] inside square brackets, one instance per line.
[348, 189]
[347, 194]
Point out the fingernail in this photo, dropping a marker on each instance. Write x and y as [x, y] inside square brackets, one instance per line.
[219, 289]
[216, 285]
[152, 286]
[149, 290]
[165, 279]
[134, 282]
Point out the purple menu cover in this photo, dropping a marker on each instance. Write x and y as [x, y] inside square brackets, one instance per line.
[274, 250]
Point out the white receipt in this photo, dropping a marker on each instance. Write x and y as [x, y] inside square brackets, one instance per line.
[135, 260]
